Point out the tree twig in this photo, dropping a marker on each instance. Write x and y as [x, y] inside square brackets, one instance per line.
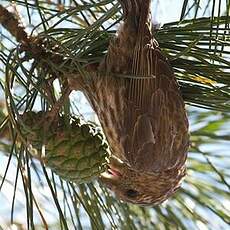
[10, 22]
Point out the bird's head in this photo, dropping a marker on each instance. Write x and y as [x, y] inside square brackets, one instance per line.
[140, 188]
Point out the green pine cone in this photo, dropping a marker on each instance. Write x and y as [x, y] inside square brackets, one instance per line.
[33, 131]
[76, 152]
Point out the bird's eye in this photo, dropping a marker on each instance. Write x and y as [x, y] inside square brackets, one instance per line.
[131, 193]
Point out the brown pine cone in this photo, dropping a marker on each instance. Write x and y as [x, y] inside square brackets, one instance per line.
[141, 110]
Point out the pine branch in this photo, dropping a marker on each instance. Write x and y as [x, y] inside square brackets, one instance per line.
[34, 47]
[10, 22]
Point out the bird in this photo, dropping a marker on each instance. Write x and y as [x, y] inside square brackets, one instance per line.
[137, 99]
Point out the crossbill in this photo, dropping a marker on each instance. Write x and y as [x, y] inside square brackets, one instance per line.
[138, 102]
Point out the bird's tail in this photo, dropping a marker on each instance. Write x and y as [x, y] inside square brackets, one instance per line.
[136, 8]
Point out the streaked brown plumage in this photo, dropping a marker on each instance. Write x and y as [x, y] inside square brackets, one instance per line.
[142, 113]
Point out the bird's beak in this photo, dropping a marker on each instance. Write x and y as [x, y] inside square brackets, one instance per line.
[116, 162]
[114, 172]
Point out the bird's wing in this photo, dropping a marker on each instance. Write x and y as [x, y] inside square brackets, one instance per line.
[155, 126]
[143, 116]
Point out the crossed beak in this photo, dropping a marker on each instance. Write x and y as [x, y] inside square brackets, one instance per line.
[112, 176]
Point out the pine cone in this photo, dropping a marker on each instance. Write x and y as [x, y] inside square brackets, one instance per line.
[76, 152]
[141, 110]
